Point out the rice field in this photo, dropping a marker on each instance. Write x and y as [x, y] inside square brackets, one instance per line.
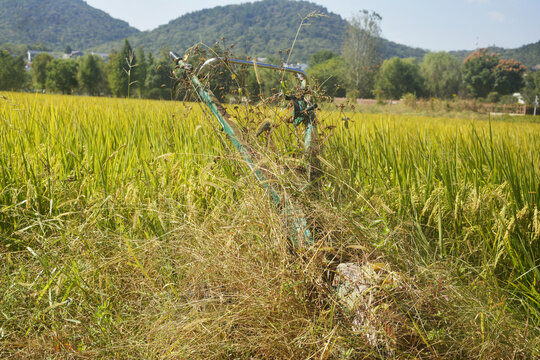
[129, 229]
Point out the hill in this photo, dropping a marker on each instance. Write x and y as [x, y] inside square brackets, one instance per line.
[262, 28]
[58, 23]
[528, 55]
[389, 49]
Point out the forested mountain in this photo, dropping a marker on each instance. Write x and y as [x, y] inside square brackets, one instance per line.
[58, 23]
[529, 54]
[389, 49]
[260, 28]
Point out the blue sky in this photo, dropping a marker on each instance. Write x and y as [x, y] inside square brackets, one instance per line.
[429, 24]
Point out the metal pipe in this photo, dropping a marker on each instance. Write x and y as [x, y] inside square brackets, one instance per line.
[254, 63]
[300, 232]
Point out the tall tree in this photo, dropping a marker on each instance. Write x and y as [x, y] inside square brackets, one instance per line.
[141, 71]
[39, 69]
[442, 74]
[484, 73]
[478, 74]
[509, 76]
[62, 75]
[159, 80]
[330, 76]
[321, 56]
[122, 73]
[361, 51]
[532, 87]
[398, 77]
[91, 76]
[12, 72]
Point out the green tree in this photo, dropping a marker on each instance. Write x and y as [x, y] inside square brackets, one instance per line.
[122, 73]
[398, 77]
[484, 73]
[478, 72]
[509, 76]
[330, 76]
[15, 49]
[12, 72]
[442, 74]
[91, 75]
[320, 57]
[532, 87]
[361, 52]
[39, 69]
[62, 75]
[158, 82]
[141, 72]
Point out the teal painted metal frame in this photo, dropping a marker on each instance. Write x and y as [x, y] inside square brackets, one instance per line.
[302, 114]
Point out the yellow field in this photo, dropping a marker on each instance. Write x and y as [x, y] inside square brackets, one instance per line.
[128, 229]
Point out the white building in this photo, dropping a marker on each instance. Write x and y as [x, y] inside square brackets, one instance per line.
[519, 98]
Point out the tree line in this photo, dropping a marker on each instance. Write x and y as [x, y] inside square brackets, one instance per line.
[360, 71]
[127, 73]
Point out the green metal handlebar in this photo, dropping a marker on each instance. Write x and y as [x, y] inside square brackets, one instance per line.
[296, 71]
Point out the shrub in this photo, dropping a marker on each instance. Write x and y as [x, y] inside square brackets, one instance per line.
[409, 99]
[352, 95]
[508, 99]
[493, 97]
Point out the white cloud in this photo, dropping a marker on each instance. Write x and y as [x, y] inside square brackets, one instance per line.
[496, 16]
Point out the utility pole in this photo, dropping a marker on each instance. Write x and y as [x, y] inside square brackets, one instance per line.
[535, 104]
